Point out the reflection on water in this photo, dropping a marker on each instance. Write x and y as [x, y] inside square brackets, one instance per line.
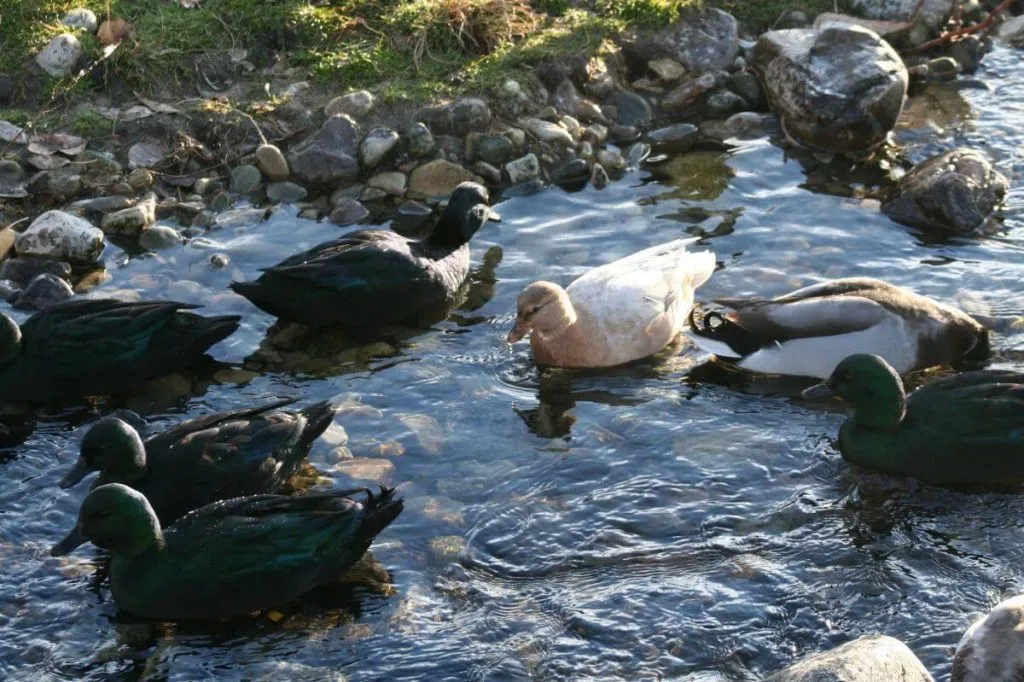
[669, 518]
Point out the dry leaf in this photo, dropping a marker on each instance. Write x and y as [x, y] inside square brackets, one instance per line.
[157, 107]
[113, 31]
[51, 143]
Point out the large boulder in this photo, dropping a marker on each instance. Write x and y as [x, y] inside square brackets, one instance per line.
[873, 658]
[838, 89]
[330, 156]
[704, 39]
[952, 192]
[992, 648]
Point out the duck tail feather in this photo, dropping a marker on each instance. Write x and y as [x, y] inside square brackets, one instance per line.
[718, 334]
[318, 418]
[378, 513]
[211, 330]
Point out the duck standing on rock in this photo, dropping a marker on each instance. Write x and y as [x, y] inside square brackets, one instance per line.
[370, 279]
[616, 313]
[232, 557]
[966, 429]
[95, 347]
[809, 331]
[216, 457]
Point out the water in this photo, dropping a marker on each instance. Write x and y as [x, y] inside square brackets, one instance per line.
[664, 520]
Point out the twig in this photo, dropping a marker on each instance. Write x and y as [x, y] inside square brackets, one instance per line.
[953, 36]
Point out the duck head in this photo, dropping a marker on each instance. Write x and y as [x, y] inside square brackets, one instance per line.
[544, 308]
[466, 212]
[116, 518]
[10, 339]
[871, 385]
[112, 447]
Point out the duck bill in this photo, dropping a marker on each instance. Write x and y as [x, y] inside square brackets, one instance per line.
[818, 391]
[79, 471]
[69, 543]
[518, 332]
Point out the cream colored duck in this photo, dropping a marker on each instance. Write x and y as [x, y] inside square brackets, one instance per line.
[616, 313]
[992, 650]
[809, 331]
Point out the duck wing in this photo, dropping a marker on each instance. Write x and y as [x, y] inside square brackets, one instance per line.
[983, 409]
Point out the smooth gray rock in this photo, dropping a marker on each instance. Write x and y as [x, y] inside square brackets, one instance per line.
[952, 192]
[329, 157]
[82, 18]
[103, 204]
[355, 104]
[470, 114]
[44, 291]
[746, 85]
[377, 146]
[523, 169]
[873, 658]
[60, 55]
[490, 173]
[12, 180]
[746, 125]
[633, 109]
[724, 103]
[24, 269]
[391, 182]
[993, 647]
[493, 149]
[159, 237]
[575, 172]
[420, 140]
[438, 178]
[286, 192]
[246, 179]
[61, 236]
[933, 13]
[674, 139]
[546, 131]
[686, 94]
[836, 89]
[348, 212]
[272, 163]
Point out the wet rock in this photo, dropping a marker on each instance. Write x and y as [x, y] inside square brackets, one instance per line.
[240, 218]
[621, 133]
[687, 94]
[132, 221]
[633, 109]
[493, 149]
[703, 40]
[523, 169]
[141, 178]
[491, 174]
[246, 179]
[61, 236]
[60, 55]
[146, 154]
[599, 177]
[953, 192]
[392, 183]
[836, 89]
[872, 658]
[355, 104]
[9, 291]
[932, 13]
[573, 126]
[968, 52]
[24, 269]
[545, 131]
[943, 69]
[438, 178]
[82, 18]
[220, 201]
[724, 103]
[674, 139]
[365, 469]
[286, 192]
[420, 140]
[447, 548]
[348, 211]
[219, 261]
[993, 647]
[12, 180]
[746, 125]
[746, 85]
[272, 163]
[329, 157]
[575, 172]
[377, 146]
[44, 291]
[611, 160]
[159, 237]
[103, 204]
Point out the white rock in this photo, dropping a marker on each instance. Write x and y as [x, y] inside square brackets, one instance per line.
[61, 236]
[134, 220]
[59, 56]
[873, 658]
[82, 18]
[523, 169]
[546, 131]
[375, 147]
[354, 104]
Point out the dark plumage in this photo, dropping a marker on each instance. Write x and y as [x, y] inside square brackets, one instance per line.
[216, 457]
[232, 557]
[375, 278]
[89, 347]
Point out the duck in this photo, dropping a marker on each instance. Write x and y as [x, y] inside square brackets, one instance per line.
[215, 457]
[992, 649]
[232, 557]
[616, 313]
[961, 430]
[97, 347]
[369, 279]
[809, 331]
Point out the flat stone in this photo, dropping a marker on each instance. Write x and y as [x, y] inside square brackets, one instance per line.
[392, 182]
[60, 55]
[286, 192]
[82, 18]
[667, 70]
[61, 236]
[872, 658]
[546, 131]
[687, 94]
[633, 109]
[420, 140]
[246, 179]
[674, 139]
[438, 178]
[329, 157]
[103, 204]
[146, 154]
[132, 221]
[23, 269]
[348, 211]
[355, 104]
[272, 163]
[159, 237]
[43, 291]
[377, 146]
[523, 169]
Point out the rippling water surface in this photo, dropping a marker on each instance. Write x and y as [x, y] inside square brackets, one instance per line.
[662, 520]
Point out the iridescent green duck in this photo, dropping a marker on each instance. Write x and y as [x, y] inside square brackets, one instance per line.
[216, 457]
[92, 347]
[965, 429]
[229, 558]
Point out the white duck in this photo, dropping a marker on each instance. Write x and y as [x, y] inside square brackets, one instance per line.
[809, 331]
[992, 650]
[616, 313]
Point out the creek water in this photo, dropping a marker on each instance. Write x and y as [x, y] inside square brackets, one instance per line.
[668, 519]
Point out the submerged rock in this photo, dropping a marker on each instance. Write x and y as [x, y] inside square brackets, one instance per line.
[286, 192]
[329, 157]
[837, 89]
[61, 236]
[44, 291]
[159, 237]
[993, 647]
[674, 139]
[953, 192]
[873, 658]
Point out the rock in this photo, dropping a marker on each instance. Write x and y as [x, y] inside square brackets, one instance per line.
[470, 114]
[7, 88]
[376, 146]
[703, 40]
[674, 139]
[103, 204]
[793, 18]
[953, 192]
[494, 149]
[491, 174]
[329, 157]
[746, 85]
[932, 13]
[7, 239]
[12, 180]
[575, 172]
[566, 97]
[159, 237]
[599, 177]
[611, 159]
[246, 179]
[438, 178]
[746, 125]
[286, 192]
[943, 69]
[60, 55]
[667, 70]
[687, 94]
[272, 163]
[355, 104]
[523, 169]
[82, 18]
[724, 103]
[598, 81]
[420, 140]
[366, 469]
[633, 109]
[595, 133]
[873, 658]
[98, 171]
[968, 52]
[1012, 31]
[44, 291]
[63, 182]
[836, 89]
[24, 269]
[546, 131]
[621, 133]
[146, 154]
[220, 201]
[348, 211]
[372, 194]
[992, 649]
[9, 290]
[61, 236]
[219, 261]
[132, 221]
[392, 183]
[141, 178]
[573, 126]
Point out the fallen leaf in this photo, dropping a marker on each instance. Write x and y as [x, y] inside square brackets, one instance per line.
[47, 161]
[157, 107]
[12, 133]
[114, 30]
[51, 143]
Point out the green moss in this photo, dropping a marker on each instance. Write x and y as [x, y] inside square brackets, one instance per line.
[92, 126]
